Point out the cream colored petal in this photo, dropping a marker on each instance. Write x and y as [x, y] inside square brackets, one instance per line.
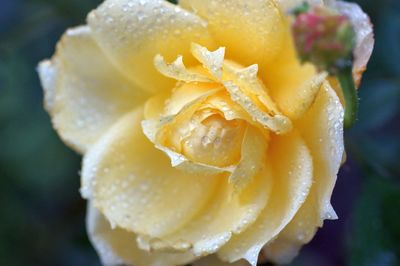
[253, 153]
[292, 166]
[178, 71]
[187, 143]
[295, 100]
[230, 110]
[276, 123]
[167, 133]
[292, 85]
[134, 185]
[84, 93]
[247, 77]
[180, 161]
[212, 61]
[170, 104]
[214, 261]
[118, 247]
[132, 32]
[185, 4]
[244, 87]
[249, 92]
[187, 93]
[154, 107]
[298, 232]
[322, 129]
[334, 82]
[226, 214]
[251, 31]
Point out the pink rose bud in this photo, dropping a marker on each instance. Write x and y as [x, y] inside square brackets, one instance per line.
[323, 37]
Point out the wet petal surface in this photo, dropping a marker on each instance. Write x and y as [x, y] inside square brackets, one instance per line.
[119, 176]
[292, 179]
[132, 33]
[84, 93]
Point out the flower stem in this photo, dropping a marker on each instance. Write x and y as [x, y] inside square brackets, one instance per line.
[345, 76]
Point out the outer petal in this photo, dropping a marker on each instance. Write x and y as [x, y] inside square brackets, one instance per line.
[250, 30]
[117, 246]
[299, 231]
[134, 185]
[131, 33]
[226, 214]
[322, 129]
[84, 93]
[292, 85]
[292, 172]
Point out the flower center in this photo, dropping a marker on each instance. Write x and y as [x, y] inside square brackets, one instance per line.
[215, 141]
[218, 118]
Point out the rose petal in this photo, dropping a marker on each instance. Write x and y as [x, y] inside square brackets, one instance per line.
[298, 232]
[222, 102]
[226, 214]
[291, 84]
[295, 100]
[84, 93]
[167, 133]
[177, 70]
[249, 92]
[322, 130]
[184, 95]
[212, 61]
[247, 79]
[251, 31]
[131, 33]
[276, 123]
[292, 179]
[253, 156]
[117, 246]
[120, 177]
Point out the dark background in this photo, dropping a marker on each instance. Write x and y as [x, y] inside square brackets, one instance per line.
[42, 215]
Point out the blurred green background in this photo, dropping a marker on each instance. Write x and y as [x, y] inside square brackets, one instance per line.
[42, 214]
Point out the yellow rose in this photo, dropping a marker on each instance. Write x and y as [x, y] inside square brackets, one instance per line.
[204, 139]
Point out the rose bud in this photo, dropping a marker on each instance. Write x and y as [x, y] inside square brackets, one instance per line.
[326, 38]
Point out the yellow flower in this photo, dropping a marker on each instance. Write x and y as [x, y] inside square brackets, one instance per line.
[204, 139]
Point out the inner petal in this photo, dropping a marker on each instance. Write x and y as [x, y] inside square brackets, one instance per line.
[215, 141]
[202, 123]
